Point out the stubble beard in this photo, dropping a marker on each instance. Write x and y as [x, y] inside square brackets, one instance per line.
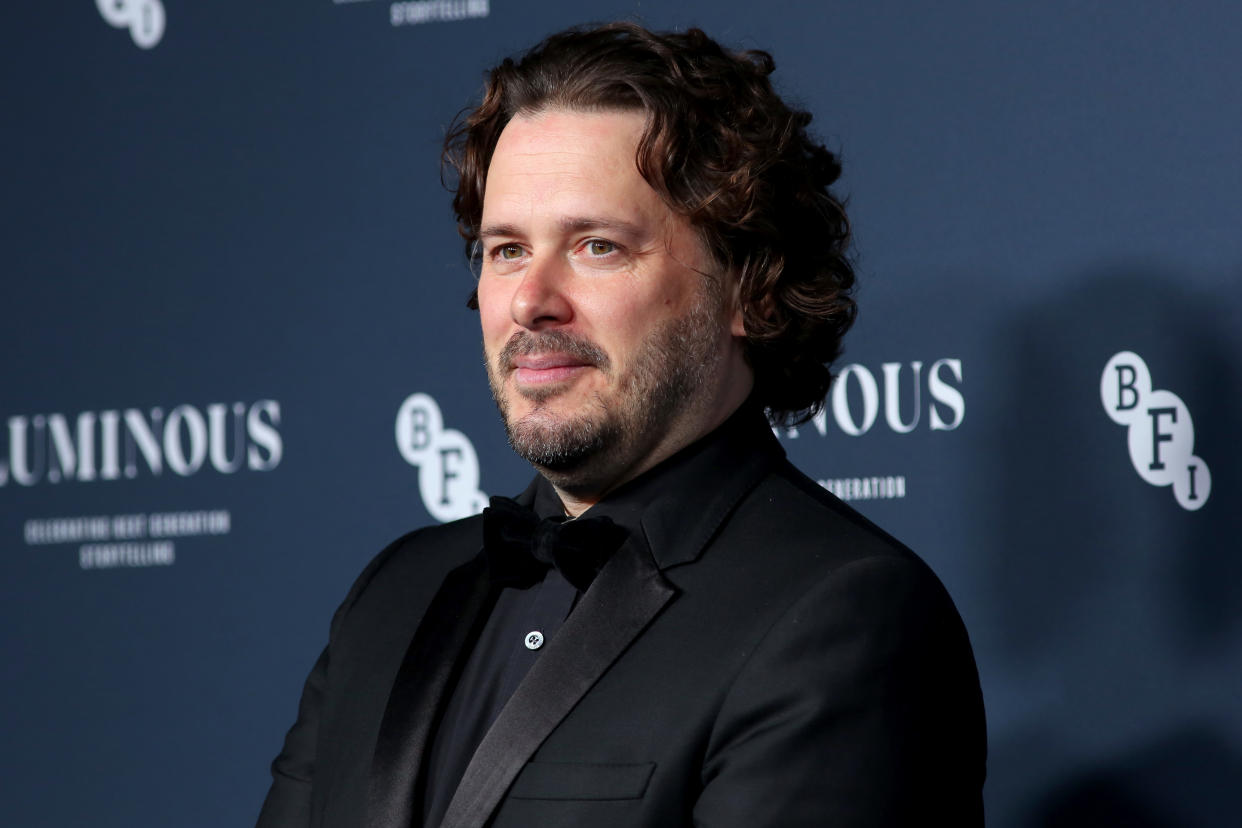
[616, 427]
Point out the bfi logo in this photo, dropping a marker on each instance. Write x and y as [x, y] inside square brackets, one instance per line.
[448, 468]
[1161, 434]
[144, 19]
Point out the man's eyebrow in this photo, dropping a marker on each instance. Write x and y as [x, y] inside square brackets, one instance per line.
[569, 224]
[574, 224]
[493, 230]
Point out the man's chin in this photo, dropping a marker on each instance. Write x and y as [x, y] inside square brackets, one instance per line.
[555, 443]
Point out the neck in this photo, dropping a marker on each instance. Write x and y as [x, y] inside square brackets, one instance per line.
[591, 489]
[574, 506]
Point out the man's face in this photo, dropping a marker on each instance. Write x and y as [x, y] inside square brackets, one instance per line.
[608, 337]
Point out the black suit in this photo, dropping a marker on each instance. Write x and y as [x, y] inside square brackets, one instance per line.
[757, 655]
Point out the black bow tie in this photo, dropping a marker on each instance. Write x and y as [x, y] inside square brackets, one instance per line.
[521, 546]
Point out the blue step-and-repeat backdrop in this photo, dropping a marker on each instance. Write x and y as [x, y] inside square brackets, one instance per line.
[237, 361]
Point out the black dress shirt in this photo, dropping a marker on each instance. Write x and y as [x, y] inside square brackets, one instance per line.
[521, 621]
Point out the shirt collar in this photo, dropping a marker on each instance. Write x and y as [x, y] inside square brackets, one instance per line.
[677, 506]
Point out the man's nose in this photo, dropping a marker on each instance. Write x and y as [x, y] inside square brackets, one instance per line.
[541, 299]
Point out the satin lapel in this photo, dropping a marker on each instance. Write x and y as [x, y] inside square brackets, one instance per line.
[626, 595]
[419, 692]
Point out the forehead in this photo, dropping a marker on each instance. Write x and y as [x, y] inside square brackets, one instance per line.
[569, 161]
[600, 131]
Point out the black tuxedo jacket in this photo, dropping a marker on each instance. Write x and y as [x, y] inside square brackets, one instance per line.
[759, 655]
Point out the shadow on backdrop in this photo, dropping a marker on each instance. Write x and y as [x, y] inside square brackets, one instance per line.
[1187, 780]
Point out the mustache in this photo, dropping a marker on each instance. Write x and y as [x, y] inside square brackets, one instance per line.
[561, 342]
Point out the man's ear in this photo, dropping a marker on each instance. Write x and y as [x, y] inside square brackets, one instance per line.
[737, 319]
[737, 324]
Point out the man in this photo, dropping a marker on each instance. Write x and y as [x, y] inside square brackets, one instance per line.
[671, 625]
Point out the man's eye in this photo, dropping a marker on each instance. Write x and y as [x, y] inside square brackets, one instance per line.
[509, 252]
[599, 247]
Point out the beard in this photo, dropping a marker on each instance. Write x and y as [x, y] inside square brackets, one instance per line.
[614, 425]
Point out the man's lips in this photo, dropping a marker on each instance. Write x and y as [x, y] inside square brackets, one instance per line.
[530, 369]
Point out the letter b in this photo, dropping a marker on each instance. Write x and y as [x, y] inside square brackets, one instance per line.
[1125, 385]
[418, 426]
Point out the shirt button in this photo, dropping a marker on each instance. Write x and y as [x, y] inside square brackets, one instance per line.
[534, 640]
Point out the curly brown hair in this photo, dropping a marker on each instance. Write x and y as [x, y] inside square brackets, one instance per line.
[722, 149]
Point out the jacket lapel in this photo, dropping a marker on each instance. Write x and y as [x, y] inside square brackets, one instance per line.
[625, 597]
[419, 692]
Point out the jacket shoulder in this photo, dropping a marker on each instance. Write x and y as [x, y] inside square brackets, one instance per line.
[418, 557]
[800, 518]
